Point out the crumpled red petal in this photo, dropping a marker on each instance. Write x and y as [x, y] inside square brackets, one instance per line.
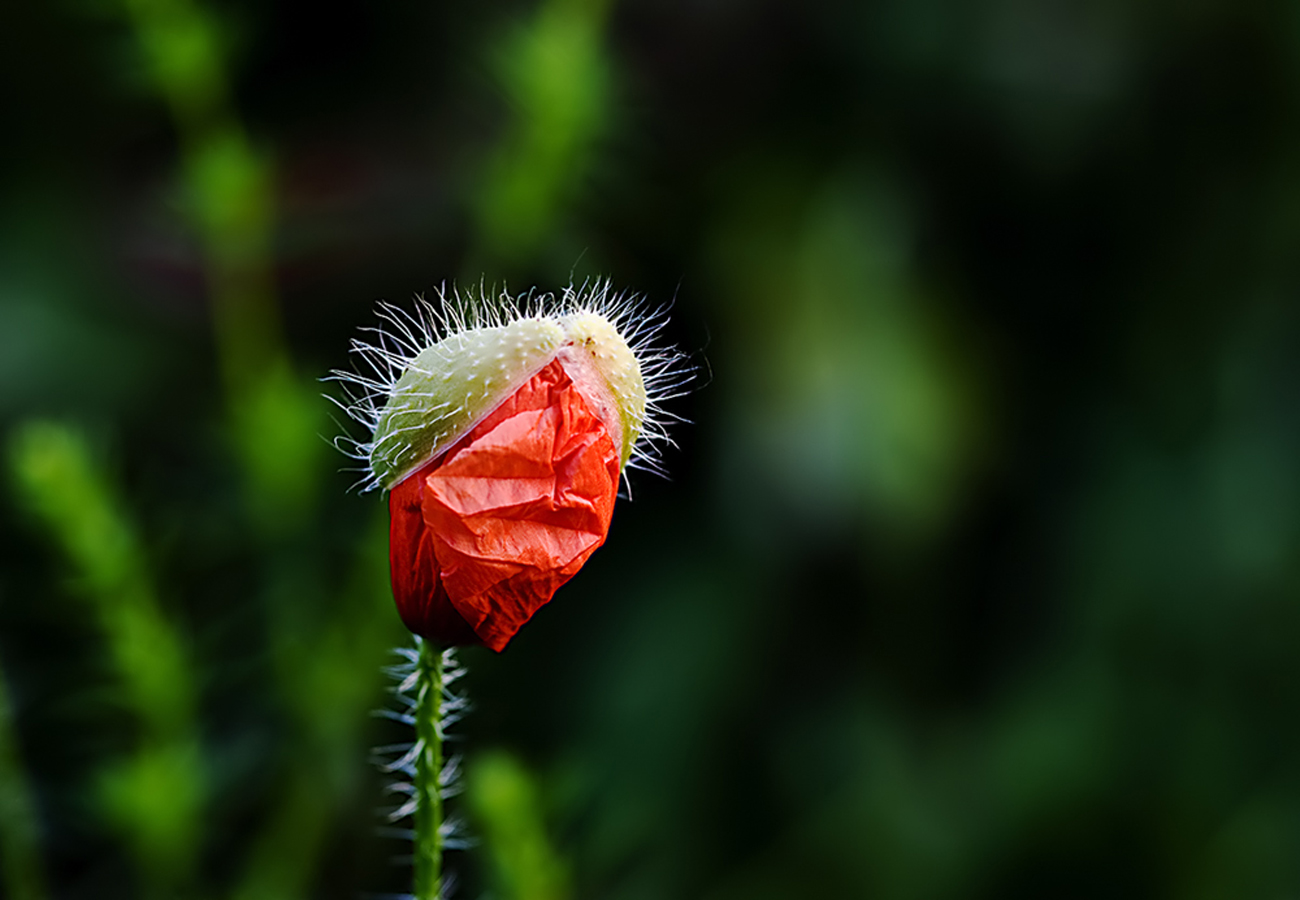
[484, 537]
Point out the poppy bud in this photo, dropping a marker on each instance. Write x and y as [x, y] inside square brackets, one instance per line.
[501, 437]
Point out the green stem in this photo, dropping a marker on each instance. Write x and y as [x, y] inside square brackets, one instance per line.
[428, 766]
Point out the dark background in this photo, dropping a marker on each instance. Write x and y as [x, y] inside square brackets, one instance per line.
[976, 572]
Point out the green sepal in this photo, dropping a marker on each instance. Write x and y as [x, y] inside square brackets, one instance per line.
[451, 386]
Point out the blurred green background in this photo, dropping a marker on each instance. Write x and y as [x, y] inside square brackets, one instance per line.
[976, 575]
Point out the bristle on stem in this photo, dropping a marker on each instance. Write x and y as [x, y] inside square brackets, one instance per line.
[423, 778]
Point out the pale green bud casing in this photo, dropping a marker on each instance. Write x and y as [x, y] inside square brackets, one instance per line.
[428, 376]
[617, 390]
[452, 385]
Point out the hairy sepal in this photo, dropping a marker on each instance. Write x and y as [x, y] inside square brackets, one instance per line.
[452, 385]
[604, 368]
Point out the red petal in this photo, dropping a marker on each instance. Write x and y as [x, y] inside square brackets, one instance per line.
[519, 505]
[483, 538]
[421, 601]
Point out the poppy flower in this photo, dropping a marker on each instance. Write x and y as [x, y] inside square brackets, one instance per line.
[501, 431]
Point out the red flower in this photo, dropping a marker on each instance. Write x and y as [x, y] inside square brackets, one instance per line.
[483, 536]
[501, 428]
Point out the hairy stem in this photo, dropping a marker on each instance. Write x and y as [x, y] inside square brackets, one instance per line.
[428, 767]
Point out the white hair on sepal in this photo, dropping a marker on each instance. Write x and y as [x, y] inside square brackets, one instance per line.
[389, 351]
[423, 377]
[666, 372]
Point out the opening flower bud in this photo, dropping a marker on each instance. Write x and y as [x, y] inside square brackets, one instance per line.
[501, 434]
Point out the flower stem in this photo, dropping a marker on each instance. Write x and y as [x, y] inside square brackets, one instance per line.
[428, 767]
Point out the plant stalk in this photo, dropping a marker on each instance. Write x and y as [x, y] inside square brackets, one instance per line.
[428, 766]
